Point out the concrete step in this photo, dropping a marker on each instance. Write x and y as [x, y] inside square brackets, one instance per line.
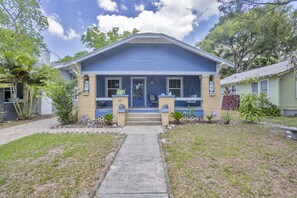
[150, 115]
[144, 118]
[141, 122]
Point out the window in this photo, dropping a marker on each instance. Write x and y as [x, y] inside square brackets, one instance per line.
[263, 86]
[254, 88]
[111, 86]
[19, 92]
[233, 89]
[260, 87]
[296, 88]
[175, 86]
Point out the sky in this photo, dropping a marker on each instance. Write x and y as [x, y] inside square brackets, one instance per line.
[186, 20]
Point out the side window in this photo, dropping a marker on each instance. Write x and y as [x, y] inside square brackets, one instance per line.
[254, 87]
[264, 87]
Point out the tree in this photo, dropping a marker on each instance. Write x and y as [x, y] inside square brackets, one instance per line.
[235, 7]
[253, 43]
[96, 39]
[21, 22]
[19, 68]
[69, 58]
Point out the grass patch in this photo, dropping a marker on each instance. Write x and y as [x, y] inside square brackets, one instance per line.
[246, 160]
[55, 165]
[283, 120]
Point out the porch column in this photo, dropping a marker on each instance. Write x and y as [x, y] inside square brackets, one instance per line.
[116, 101]
[87, 100]
[169, 100]
[211, 100]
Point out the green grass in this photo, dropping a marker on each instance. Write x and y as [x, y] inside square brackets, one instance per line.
[53, 165]
[246, 160]
[288, 121]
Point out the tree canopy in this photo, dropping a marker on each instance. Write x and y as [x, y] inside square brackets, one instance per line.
[234, 7]
[69, 58]
[95, 39]
[252, 43]
[21, 23]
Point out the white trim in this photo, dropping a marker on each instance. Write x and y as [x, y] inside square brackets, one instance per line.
[150, 35]
[112, 78]
[181, 84]
[296, 87]
[123, 73]
[131, 88]
[259, 86]
[268, 88]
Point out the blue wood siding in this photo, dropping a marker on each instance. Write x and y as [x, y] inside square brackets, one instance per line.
[148, 57]
[158, 87]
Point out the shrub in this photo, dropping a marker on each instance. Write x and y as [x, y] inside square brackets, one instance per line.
[62, 93]
[249, 108]
[108, 118]
[267, 108]
[177, 116]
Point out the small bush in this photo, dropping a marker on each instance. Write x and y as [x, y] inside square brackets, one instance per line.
[177, 116]
[267, 108]
[249, 109]
[108, 118]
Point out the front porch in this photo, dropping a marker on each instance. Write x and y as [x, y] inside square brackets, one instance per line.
[198, 95]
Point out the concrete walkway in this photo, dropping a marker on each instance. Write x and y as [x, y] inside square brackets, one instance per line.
[16, 132]
[138, 169]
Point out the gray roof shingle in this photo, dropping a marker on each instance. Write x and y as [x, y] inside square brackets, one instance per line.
[269, 70]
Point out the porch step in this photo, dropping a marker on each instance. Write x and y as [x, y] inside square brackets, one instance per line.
[143, 119]
[129, 123]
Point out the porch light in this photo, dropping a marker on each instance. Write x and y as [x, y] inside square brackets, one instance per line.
[86, 84]
[211, 85]
[152, 81]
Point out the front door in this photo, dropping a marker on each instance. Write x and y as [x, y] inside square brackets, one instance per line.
[138, 87]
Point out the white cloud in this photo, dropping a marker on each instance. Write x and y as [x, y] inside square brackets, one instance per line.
[175, 19]
[139, 8]
[108, 5]
[56, 29]
[123, 7]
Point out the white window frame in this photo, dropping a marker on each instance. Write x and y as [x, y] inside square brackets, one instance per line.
[15, 89]
[296, 86]
[181, 85]
[259, 86]
[106, 84]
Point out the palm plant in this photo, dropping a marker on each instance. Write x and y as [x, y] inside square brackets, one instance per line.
[177, 116]
[19, 68]
[108, 118]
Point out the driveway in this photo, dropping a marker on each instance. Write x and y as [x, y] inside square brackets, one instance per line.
[16, 132]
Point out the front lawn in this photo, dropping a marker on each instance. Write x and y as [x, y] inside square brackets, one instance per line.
[288, 121]
[53, 165]
[246, 160]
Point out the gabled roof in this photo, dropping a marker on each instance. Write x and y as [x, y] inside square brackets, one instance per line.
[270, 70]
[150, 36]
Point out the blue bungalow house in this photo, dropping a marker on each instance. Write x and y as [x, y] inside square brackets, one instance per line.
[154, 70]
